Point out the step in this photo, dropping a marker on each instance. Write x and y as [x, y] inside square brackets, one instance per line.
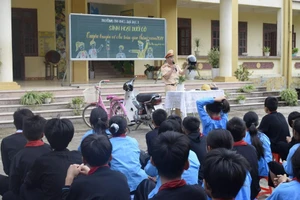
[249, 100]
[52, 106]
[254, 94]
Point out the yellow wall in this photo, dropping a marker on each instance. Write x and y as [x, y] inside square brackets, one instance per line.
[34, 66]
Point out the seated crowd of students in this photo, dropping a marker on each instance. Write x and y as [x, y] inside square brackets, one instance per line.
[223, 161]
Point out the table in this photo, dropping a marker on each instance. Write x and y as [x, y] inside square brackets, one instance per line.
[186, 100]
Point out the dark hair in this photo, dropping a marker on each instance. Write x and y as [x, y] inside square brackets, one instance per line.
[59, 133]
[271, 103]
[117, 125]
[98, 120]
[237, 128]
[292, 116]
[169, 125]
[96, 149]
[33, 127]
[191, 124]
[178, 119]
[19, 116]
[159, 116]
[170, 153]
[251, 120]
[224, 173]
[296, 163]
[219, 138]
[217, 107]
[296, 128]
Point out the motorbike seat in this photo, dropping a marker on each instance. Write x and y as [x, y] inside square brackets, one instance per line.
[146, 97]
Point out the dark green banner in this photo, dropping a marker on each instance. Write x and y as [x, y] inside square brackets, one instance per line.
[104, 37]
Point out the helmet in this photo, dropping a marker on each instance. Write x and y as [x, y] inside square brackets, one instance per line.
[192, 60]
[205, 87]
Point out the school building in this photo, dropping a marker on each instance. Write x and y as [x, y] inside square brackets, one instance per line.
[241, 28]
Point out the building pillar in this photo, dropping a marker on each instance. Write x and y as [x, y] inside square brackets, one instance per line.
[79, 70]
[228, 40]
[168, 10]
[6, 62]
[286, 48]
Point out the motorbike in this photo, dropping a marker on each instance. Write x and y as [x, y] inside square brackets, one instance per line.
[139, 108]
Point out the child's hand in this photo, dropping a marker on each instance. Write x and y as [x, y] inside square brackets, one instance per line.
[84, 169]
[281, 179]
[288, 139]
[220, 98]
[73, 171]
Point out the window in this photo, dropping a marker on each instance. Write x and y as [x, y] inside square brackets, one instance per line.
[293, 38]
[270, 38]
[242, 37]
[215, 35]
[184, 36]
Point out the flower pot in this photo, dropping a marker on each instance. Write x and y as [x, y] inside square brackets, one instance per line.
[241, 101]
[267, 54]
[294, 54]
[215, 72]
[92, 74]
[47, 100]
[197, 53]
[180, 87]
[149, 74]
[190, 75]
[245, 54]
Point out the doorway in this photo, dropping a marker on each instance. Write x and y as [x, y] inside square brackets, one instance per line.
[24, 39]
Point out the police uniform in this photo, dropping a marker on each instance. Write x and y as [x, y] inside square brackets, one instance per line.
[171, 82]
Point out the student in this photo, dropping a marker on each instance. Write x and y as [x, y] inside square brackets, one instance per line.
[98, 121]
[191, 127]
[215, 115]
[260, 141]
[221, 138]
[47, 175]
[224, 173]
[274, 125]
[178, 119]
[291, 118]
[98, 181]
[237, 128]
[170, 157]
[33, 130]
[289, 189]
[11, 145]
[126, 153]
[190, 175]
[158, 116]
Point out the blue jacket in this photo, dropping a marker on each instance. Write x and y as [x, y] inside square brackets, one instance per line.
[89, 133]
[263, 168]
[190, 175]
[284, 191]
[208, 123]
[126, 159]
[288, 168]
[245, 191]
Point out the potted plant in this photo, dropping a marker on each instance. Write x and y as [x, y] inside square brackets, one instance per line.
[247, 88]
[149, 71]
[47, 97]
[180, 84]
[213, 60]
[31, 98]
[267, 51]
[241, 99]
[77, 103]
[197, 44]
[242, 73]
[295, 51]
[290, 97]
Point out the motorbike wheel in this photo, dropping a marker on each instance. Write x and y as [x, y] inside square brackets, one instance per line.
[87, 112]
[151, 111]
[117, 110]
